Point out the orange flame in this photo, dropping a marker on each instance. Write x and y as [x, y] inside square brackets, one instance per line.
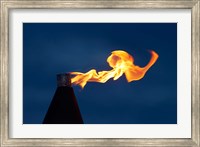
[121, 62]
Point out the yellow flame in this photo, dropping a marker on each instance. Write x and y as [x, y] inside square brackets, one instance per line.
[122, 63]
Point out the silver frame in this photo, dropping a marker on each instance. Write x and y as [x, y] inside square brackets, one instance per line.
[7, 5]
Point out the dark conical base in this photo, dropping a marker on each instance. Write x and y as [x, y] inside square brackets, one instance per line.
[63, 108]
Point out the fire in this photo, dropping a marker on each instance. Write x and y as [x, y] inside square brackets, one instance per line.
[121, 63]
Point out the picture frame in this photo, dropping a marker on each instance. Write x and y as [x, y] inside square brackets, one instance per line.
[7, 5]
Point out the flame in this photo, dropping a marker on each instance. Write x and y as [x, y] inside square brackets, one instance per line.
[122, 63]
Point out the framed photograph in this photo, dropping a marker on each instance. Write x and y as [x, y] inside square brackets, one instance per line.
[100, 73]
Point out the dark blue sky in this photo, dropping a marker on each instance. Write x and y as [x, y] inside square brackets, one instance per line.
[52, 48]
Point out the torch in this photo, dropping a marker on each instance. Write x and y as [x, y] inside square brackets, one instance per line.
[64, 108]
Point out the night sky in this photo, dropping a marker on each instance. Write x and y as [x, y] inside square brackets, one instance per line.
[52, 48]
